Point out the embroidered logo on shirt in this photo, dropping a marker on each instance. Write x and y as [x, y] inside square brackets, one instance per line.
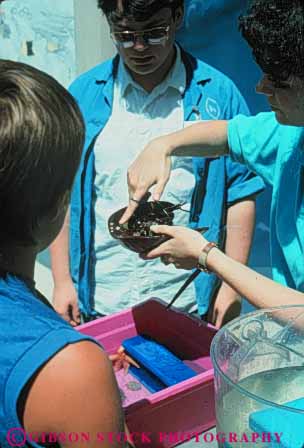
[212, 108]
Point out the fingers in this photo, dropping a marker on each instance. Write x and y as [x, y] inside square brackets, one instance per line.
[121, 360]
[164, 230]
[164, 260]
[134, 202]
[136, 195]
[163, 249]
[157, 252]
[74, 314]
[74, 323]
[135, 199]
[65, 314]
[158, 190]
[128, 212]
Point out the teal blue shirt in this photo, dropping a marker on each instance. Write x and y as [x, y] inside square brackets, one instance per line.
[276, 153]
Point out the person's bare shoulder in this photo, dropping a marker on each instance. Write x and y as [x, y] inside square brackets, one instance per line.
[75, 392]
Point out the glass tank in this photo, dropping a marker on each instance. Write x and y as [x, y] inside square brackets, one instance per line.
[258, 362]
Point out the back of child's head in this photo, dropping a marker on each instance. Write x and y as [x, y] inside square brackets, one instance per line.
[41, 138]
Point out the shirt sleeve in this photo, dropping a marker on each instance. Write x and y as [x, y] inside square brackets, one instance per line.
[241, 183]
[254, 141]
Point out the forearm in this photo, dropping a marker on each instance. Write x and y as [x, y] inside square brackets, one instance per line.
[258, 290]
[240, 226]
[203, 139]
[59, 251]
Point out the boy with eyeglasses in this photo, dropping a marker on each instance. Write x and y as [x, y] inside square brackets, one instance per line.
[151, 87]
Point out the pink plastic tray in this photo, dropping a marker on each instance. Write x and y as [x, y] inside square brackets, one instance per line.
[168, 416]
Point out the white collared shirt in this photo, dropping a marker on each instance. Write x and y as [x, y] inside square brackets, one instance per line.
[122, 279]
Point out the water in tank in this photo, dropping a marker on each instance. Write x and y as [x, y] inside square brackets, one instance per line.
[259, 379]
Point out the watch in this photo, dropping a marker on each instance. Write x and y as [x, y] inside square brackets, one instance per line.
[202, 259]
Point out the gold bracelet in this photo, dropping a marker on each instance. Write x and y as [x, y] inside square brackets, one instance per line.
[202, 259]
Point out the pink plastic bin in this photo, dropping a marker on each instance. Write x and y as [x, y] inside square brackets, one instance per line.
[167, 417]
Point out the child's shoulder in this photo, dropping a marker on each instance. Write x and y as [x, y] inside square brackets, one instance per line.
[31, 336]
[80, 381]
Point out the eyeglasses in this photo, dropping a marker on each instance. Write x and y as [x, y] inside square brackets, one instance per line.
[152, 36]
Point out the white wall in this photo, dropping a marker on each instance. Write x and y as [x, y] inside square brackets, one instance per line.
[63, 38]
[40, 33]
[93, 42]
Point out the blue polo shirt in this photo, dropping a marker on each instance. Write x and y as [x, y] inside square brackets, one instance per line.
[276, 153]
[31, 333]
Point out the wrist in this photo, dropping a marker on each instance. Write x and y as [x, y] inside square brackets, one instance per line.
[61, 280]
[213, 259]
[169, 145]
[203, 256]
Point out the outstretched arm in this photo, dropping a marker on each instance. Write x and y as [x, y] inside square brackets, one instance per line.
[152, 166]
[184, 249]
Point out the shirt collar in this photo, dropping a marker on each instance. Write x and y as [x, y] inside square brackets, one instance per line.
[175, 79]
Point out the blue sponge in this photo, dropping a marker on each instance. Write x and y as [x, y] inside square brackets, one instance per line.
[147, 379]
[276, 420]
[158, 360]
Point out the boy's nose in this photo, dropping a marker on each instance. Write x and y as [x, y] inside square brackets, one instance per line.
[140, 43]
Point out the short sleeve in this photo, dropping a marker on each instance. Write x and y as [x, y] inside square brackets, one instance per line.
[254, 142]
[241, 183]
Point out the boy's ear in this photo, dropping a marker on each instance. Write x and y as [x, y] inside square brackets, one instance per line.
[179, 16]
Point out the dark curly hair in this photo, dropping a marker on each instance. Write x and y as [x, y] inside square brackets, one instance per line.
[139, 10]
[275, 31]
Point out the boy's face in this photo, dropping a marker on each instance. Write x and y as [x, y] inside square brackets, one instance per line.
[287, 101]
[144, 54]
